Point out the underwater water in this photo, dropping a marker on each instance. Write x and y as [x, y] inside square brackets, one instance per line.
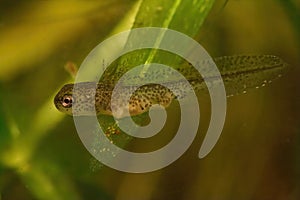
[42, 156]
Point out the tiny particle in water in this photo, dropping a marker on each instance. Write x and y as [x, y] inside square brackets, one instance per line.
[71, 68]
[159, 8]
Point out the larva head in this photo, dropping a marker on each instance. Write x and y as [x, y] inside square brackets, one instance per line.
[84, 99]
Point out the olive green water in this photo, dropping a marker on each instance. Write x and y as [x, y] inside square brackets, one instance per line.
[42, 156]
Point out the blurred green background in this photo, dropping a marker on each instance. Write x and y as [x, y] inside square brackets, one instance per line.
[41, 155]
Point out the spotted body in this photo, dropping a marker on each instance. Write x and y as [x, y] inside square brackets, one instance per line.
[238, 73]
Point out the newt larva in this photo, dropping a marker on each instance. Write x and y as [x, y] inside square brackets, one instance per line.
[239, 73]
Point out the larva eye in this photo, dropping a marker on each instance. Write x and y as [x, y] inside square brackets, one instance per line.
[67, 101]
